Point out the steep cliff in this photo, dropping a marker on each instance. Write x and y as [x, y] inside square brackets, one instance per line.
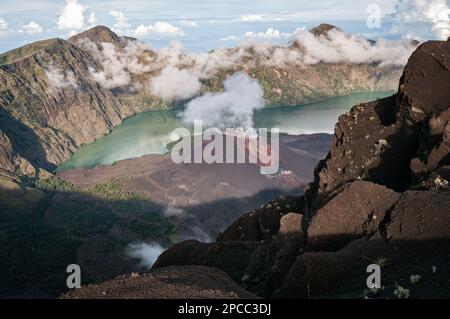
[50, 105]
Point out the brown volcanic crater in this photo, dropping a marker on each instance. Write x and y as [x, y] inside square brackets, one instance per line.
[215, 193]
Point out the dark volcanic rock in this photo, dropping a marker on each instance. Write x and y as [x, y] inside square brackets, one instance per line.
[270, 263]
[396, 141]
[424, 86]
[291, 226]
[356, 211]
[420, 216]
[230, 257]
[369, 144]
[413, 238]
[263, 223]
[315, 273]
[189, 282]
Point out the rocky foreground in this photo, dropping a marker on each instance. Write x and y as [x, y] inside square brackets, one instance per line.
[381, 196]
[189, 282]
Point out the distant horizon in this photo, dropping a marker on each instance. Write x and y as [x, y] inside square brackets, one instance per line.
[202, 27]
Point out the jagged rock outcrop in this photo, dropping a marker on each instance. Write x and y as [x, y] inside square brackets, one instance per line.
[193, 282]
[369, 144]
[424, 85]
[381, 196]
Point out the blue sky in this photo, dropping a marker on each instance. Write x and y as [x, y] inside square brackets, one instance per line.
[204, 25]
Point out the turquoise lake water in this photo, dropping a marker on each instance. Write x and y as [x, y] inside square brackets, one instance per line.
[149, 132]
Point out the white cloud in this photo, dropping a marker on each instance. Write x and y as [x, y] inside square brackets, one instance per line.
[159, 28]
[171, 211]
[31, 28]
[233, 107]
[421, 19]
[92, 20]
[114, 72]
[188, 23]
[3, 26]
[339, 47]
[270, 33]
[118, 66]
[259, 18]
[121, 21]
[59, 79]
[175, 84]
[146, 253]
[231, 38]
[251, 18]
[74, 17]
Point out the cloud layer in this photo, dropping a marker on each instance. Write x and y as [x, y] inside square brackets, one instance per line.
[339, 47]
[173, 73]
[414, 19]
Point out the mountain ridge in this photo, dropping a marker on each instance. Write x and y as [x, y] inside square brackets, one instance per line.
[73, 109]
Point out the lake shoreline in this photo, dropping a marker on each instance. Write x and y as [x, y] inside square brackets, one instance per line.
[149, 132]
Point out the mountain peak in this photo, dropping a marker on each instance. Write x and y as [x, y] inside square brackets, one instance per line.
[98, 34]
[323, 29]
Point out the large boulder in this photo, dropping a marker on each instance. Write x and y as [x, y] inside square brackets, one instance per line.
[420, 217]
[315, 273]
[424, 101]
[231, 257]
[414, 240]
[424, 86]
[264, 223]
[355, 212]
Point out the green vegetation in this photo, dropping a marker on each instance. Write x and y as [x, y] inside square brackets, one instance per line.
[3, 58]
[55, 184]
